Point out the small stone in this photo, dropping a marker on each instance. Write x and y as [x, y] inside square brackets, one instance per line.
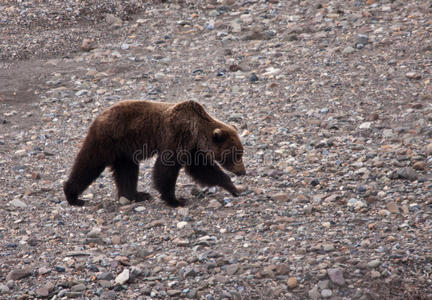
[106, 284]
[328, 247]
[94, 233]
[108, 295]
[60, 269]
[4, 289]
[42, 292]
[36, 176]
[140, 208]
[18, 274]
[173, 293]
[182, 224]
[393, 208]
[87, 45]
[113, 21]
[214, 204]
[365, 125]
[282, 269]
[375, 274]
[116, 240]
[282, 197]
[326, 293]
[374, 263]
[78, 287]
[336, 276]
[292, 282]
[231, 269]
[429, 149]
[314, 293]
[20, 153]
[314, 182]
[419, 165]
[407, 173]
[253, 77]
[43, 271]
[124, 201]
[81, 93]
[413, 75]
[155, 223]
[348, 50]
[105, 276]
[123, 277]
[18, 203]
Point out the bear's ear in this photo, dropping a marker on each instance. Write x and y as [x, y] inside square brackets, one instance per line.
[235, 127]
[218, 135]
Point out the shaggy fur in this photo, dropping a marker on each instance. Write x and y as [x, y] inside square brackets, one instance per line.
[182, 135]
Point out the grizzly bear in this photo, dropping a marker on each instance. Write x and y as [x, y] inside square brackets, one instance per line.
[182, 135]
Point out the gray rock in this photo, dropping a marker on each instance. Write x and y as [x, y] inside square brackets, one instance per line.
[407, 173]
[4, 289]
[348, 50]
[314, 293]
[123, 277]
[336, 276]
[231, 269]
[173, 293]
[326, 293]
[18, 274]
[374, 263]
[18, 203]
[78, 287]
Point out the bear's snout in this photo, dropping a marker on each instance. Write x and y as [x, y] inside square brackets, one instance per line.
[239, 170]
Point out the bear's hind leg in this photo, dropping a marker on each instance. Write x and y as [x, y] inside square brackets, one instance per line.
[125, 172]
[84, 172]
[211, 175]
[165, 175]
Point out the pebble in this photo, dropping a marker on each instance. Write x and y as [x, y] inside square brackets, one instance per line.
[123, 277]
[231, 269]
[314, 293]
[253, 77]
[413, 75]
[407, 173]
[124, 201]
[182, 224]
[375, 274]
[326, 293]
[374, 263]
[18, 274]
[60, 269]
[336, 276]
[87, 45]
[348, 50]
[393, 207]
[18, 203]
[4, 289]
[78, 288]
[292, 282]
[214, 204]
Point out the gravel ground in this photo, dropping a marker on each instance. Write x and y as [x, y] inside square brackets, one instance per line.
[333, 100]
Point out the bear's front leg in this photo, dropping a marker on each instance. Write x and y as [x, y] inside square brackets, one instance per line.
[125, 172]
[165, 173]
[211, 175]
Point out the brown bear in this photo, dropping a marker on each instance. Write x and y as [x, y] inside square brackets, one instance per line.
[181, 135]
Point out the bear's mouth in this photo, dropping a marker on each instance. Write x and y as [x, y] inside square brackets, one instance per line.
[237, 169]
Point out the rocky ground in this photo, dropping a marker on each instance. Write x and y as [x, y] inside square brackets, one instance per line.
[333, 100]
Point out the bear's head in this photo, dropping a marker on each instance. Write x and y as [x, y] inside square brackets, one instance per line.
[227, 149]
[192, 128]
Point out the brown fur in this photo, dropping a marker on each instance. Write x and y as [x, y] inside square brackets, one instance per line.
[182, 135]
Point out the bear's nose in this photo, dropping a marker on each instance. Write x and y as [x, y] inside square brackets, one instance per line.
[239, 170]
